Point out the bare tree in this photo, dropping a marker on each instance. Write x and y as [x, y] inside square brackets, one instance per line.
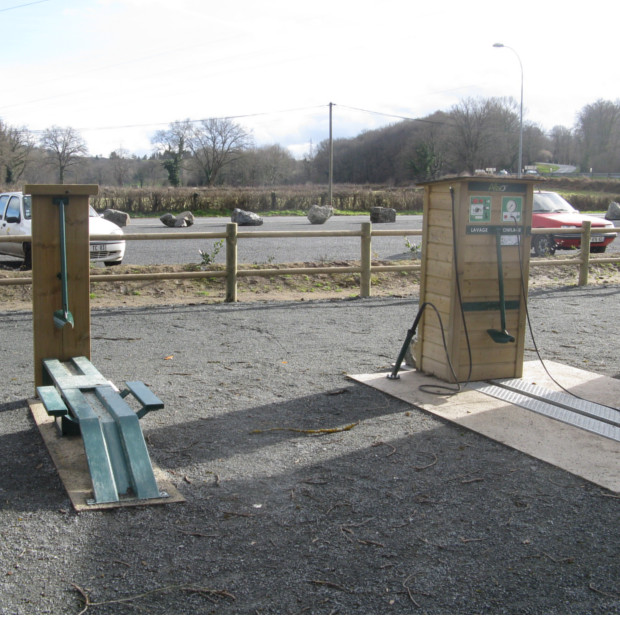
[215, 143]
[562, 144]
[122, 166]
[485, 133]
[276, 164]
[470, 118]
[598, 130]
[148, 171]
[16, 145]
[64, 146]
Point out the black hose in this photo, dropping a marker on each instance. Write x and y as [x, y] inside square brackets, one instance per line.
[411, 332]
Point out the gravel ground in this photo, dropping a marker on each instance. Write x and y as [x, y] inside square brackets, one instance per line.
[404, 513]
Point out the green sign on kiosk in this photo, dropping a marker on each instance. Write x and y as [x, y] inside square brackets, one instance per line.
[512, 209]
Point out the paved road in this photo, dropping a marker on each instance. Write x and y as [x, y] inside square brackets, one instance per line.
[276, 251]
[269, 250]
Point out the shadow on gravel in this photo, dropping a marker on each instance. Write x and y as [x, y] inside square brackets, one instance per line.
[30, 481]
[13, 406]
[242, 432]
[589, 291]
[401, 514]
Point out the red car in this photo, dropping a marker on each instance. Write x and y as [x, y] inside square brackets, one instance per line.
[552, 211]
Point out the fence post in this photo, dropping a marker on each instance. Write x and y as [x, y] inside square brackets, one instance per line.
[584, 267]
[366, 259]
[231, 262]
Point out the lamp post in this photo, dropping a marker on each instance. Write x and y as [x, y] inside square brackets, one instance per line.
[521, 113]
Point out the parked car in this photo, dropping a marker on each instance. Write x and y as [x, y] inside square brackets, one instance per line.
[552, 211]
[15, 219]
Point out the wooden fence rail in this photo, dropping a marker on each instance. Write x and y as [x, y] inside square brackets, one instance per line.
[232, 272]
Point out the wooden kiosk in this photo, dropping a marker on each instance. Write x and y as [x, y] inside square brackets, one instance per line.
[475, 267]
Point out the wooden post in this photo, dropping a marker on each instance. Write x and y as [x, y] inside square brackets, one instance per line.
[51, 341]
[231, 262]
[366, 259]
[584, 267]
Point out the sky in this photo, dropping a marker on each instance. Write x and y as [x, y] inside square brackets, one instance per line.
[120, 70]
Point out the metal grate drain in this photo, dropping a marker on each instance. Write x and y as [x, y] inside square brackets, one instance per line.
[560, 406]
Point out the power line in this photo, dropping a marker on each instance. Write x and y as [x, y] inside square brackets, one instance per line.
[253, 115]
[19, 6]
[405, 118]
[199, 120]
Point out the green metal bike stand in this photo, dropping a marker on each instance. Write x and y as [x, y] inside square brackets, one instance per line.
[116, 453]
[63, 316]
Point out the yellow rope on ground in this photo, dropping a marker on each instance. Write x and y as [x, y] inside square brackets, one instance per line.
[318, 431]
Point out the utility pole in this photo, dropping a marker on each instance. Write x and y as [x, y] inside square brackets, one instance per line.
[331, 157]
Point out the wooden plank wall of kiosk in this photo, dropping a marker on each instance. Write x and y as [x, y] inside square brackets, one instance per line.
[49, 340]
[478, 278]
[436, 283]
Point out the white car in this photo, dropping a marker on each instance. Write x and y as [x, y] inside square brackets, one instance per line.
[15, 219]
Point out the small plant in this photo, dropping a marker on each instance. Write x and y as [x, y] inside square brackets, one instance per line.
[414, 248]
[208, 258]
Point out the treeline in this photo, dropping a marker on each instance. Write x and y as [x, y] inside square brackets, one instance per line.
[475, 134]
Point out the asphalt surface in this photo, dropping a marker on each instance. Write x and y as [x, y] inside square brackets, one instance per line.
[267, 251]
[275, 251]
[270, 250]
[403, 513]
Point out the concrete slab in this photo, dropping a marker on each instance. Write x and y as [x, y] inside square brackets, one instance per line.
[584, 454]
[69, 457]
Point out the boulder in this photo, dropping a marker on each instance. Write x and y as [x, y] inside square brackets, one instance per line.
[187, 219]
[246, 218]
[319, 215]
[120, 218]
[613, 211]
[179, 221]
[382, 215]
[168, 219]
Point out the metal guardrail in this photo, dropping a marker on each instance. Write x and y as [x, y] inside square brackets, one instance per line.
[232, 272]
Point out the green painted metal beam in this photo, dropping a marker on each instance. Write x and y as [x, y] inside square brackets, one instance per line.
[95, 446]
[116, 453]
[52, 401]
[144, 396]
[137, 461]
[477, 306]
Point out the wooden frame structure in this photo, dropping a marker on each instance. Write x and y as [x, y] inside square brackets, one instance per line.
[49, 340]
[460, 278]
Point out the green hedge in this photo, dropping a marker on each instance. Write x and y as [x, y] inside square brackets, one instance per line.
[224, 200]
[583, 194]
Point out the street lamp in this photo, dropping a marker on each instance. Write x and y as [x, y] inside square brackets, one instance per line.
[521, 114]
